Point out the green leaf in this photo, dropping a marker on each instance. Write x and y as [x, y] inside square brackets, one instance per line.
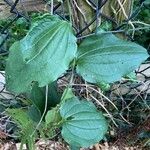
[20, 116]
[52, 120]
[53, 116]
[34, 113]
[50, 116]
[83, 125]
[38, 96]
[147, 2]
[26, 126]
[104, 86]
[103, 58]
[131, 76]
[42, 55]
[67, 94]
[72, 147]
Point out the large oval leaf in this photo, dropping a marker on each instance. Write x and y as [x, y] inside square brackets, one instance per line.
[104, 58]
[83, 125]
[42, 56]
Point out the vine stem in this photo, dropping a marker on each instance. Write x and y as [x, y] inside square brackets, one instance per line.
[45, 108]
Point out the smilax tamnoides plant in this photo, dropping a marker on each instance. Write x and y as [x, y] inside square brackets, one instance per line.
[48, 50]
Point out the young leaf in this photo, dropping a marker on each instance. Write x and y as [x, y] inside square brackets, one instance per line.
[103, 58]
[20, 116]
[42, 55]
[104, 86]
[67, 94]
[52, 117]
[26, 126]
[83, 124]
[52, 120]
[131, 76]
